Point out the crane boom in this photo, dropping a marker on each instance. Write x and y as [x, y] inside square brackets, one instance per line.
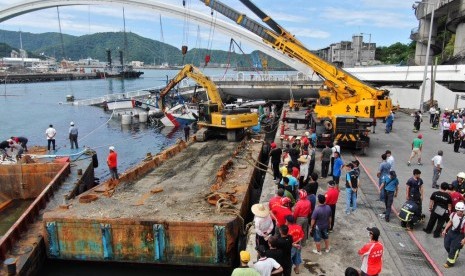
[340, 87]
[190, 71]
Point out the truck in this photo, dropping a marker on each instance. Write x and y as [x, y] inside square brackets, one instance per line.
[214, 119]
[346, 106]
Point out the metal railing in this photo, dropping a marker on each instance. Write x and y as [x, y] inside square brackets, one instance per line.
[240, 77]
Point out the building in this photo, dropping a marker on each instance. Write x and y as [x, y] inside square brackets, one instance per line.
[350, 53]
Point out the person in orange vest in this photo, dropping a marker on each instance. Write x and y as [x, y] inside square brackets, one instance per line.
[112, 162]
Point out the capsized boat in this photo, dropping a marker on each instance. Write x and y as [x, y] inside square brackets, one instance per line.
[184, 113]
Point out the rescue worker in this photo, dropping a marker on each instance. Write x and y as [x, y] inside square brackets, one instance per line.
[459, 184]
[112, 162]
[454, 235]
[410, 214]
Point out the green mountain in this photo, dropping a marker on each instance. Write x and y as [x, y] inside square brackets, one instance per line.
[139, 48]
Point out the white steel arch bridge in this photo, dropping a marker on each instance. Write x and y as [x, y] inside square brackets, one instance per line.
[225, 27]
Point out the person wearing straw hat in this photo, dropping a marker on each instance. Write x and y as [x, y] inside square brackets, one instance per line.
[303, 159]
[263, 224]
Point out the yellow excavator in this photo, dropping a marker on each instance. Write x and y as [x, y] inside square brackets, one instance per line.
[346, 105]
[214, 119]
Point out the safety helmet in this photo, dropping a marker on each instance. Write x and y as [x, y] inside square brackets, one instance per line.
[71, 124]
[461, 175]
[302, 194]
[285, 201]
[460, 206]
[111, 148]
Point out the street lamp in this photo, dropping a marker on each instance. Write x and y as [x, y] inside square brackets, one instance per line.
[423, 88]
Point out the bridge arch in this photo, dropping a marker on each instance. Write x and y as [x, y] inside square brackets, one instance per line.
[170, 10]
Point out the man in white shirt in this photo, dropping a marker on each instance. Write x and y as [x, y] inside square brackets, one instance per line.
[390, 159]
[432, 111]
[266, 266]
[50, 132]
[436, 161]
[334, 149]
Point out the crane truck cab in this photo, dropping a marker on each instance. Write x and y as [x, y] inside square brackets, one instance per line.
[214, 119]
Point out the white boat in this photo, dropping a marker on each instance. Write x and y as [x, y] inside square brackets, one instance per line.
[184, 113]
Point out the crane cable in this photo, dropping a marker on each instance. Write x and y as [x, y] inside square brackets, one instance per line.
[185, 37]
[210, 37]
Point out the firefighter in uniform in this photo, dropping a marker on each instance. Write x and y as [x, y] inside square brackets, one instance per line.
[454, 234]
[410, 214]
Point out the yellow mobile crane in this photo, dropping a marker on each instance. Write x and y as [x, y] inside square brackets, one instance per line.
[346, 105]
[214, 119]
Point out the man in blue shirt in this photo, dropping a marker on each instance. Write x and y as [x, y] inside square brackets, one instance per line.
[337, 168]
[383, 171]
[390, 185]
[351, 188]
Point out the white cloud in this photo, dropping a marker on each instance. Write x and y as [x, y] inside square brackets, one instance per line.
[372, 18]
[310, 33]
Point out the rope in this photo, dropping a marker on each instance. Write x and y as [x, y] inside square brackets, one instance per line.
[82, 138]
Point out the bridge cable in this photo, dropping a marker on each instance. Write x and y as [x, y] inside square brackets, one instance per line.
[210, 37]
[61, 33]
[196, 46]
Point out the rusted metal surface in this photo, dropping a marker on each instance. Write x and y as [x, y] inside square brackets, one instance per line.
[25, 181]
[136, 225]
[21, 225]
[137, 172]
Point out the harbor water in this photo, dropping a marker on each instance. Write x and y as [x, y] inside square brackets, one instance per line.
[27, 109]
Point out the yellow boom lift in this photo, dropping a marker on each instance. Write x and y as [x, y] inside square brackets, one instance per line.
[214, 119]
[346, 105]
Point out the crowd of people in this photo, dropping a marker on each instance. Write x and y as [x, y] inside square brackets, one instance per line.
[297, 214]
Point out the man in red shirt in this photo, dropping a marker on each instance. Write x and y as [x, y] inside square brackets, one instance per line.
[276, 200]
[332, 196]
[372, 254]
[297, 234]
[455, 196]
[112, 162]
[302, 211]
[279, 213]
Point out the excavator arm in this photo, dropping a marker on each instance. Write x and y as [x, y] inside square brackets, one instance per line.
[190, 71]
[339, 86]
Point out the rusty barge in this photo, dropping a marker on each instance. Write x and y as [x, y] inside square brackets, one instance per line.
[186, 206]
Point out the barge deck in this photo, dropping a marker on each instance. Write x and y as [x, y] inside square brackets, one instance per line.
[163, 215]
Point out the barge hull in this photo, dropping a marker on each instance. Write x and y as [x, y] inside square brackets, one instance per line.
[175, 226]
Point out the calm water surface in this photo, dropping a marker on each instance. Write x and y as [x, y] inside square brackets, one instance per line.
[28, 109]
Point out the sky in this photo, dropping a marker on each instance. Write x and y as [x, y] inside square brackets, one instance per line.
[317, 23]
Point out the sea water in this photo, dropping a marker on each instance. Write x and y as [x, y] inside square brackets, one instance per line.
[27, 109]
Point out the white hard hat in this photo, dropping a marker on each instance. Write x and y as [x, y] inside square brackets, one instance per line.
[460, 206]
[71, 124]
[111, 148]
[461, 175]
[307, 133]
